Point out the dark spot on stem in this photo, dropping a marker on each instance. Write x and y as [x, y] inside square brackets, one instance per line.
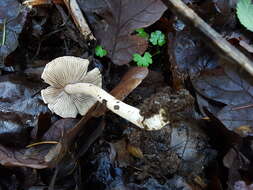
[116, 107]
[104, 102]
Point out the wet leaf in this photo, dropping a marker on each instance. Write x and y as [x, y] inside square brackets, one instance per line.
[43, 124]
[237, 119]
[58, 129]
[241, 185]
[224, 86]
[20, 107]
[100, 167]
[122, 18]
[189, 55]
[93, 5]
[23, 157]
[230, 88]
[12, 19]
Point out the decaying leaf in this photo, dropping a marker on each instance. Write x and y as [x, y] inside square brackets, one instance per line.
[237, 119]
[24, 157]
[234, 92]
[224, 86]
[93, 5]
[20, 107]
[12, 19]
[241, 185]
[121, 19]
[189, 54]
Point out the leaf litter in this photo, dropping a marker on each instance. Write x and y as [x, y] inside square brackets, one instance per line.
[203, 97]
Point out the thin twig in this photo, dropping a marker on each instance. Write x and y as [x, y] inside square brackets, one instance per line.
[222, 47]
[40, 2]
[4, 33]
[79, 19]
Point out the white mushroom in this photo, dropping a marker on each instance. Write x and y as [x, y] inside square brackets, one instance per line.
[73, 90]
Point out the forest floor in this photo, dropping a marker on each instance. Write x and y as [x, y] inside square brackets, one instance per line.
[153, 56]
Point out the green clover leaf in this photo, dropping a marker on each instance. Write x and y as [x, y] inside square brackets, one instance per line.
[141, 33]
[244, 11]
[143, 61]
[157, 38]
[100, 52]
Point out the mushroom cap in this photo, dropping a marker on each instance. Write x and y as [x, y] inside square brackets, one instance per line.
[63, 71]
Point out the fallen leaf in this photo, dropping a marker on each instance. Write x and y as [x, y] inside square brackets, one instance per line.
[135, 151]
[121, 19]
[20, 106]
[238, 120]
[58, 129]
[189, 54]
[241, 185]
[236, 161]
[24, 157]
[93, 5]
[225, 86]
[123, 157]
[230, 88]
[12, 19]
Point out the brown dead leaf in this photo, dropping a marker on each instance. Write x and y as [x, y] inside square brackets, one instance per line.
[234, 91]
[32, 158]
[135, 151]
[123, 156]
[12, 19]
[121, 19]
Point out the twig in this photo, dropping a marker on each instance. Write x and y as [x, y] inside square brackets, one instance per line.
[222, 47]
[74, 10]
[79, 19]
[40, 2]
[4, 33]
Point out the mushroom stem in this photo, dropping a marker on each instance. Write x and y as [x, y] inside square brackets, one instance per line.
[126, 111]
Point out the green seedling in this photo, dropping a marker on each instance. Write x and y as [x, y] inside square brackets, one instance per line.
[141, 33]
[143, 61]
[100, 51]
[244, 12]
[157, 38]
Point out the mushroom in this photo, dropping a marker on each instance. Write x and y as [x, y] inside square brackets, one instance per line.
[73, 90]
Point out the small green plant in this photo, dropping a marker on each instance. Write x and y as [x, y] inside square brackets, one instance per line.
[244, 11]
[141, 33]
[100, 51]
[143, 61]
[157, 38]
